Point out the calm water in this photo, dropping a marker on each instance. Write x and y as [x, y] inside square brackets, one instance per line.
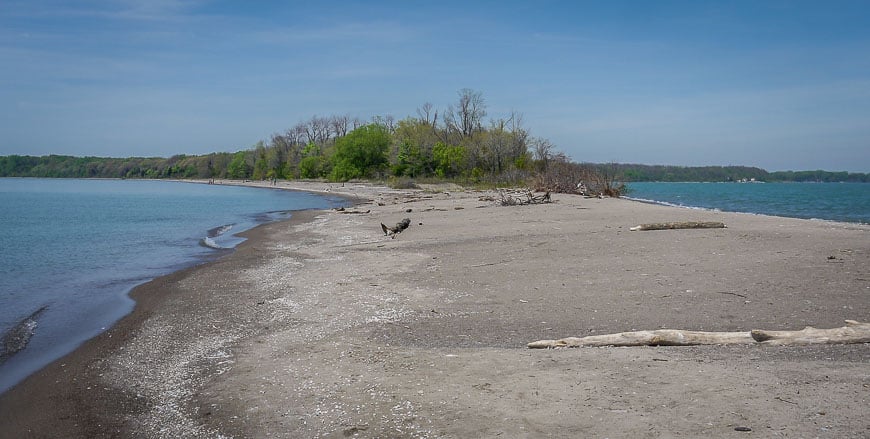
[77, 247]
[848, 202]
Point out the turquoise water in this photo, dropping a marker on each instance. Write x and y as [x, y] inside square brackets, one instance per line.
[847, 202]
[77, 247]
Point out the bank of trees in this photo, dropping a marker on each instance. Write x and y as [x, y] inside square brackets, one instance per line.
[457, 143]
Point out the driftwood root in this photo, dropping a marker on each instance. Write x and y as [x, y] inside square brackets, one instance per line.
[853, 332]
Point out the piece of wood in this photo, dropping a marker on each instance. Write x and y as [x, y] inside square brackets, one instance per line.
[660, 337]
[853, 332]
[508, 199]
[680, 225]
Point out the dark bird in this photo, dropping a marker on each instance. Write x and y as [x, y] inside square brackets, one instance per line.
[393, 231]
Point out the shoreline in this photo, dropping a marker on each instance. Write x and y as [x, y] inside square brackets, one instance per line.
[128, 284]
[65, 383]
[335, 329]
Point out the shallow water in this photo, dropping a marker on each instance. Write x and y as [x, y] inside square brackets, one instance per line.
[847, 202]
[78, 247]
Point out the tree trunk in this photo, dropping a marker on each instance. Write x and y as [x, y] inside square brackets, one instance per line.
[853, 332]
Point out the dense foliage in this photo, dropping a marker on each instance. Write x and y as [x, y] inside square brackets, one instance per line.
[453, 144]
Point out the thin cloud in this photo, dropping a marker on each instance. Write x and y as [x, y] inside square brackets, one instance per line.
[374, 32]
[138, 10]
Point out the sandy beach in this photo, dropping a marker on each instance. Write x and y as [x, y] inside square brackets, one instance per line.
[321, 326]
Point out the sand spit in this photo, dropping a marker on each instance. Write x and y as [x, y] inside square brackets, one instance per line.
[323, 327]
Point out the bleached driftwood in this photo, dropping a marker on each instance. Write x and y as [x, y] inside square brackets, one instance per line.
[660, 337]
[508, 199]
[680, 225]
[853, 332]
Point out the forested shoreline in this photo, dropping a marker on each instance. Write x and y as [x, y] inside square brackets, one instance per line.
[455, 144]
[210, 166]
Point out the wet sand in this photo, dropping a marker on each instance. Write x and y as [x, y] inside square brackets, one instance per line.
[323, 327]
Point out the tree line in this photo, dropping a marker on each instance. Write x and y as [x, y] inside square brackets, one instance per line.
[457, 143]
[638, 173]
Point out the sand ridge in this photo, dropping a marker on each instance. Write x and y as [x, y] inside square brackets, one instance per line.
[324, 327]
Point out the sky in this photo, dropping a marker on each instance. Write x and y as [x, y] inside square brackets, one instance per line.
[782, 85]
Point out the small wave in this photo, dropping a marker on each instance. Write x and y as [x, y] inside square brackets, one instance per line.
[220, 230]
[208, 242]
[17, 337]
[666, 203]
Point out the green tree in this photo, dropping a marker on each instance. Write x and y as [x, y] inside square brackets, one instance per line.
[414, 139]
[238, 167]
[361, 153]
[311, 167]
[261, 164]
[449, 160]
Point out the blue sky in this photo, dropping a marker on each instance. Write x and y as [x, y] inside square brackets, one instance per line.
[776, 84]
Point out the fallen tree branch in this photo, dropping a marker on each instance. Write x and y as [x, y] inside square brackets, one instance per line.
[680, 225]
[508, 199]
[853, 332]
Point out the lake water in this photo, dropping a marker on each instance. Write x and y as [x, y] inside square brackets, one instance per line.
[847, 202]
[75, 248]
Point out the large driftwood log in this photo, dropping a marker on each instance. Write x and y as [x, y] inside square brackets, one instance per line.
[660, 337]
[853, 332]
[680, 225]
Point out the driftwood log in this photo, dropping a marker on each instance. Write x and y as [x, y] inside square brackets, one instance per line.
[853, 332]
[346, 211]
[399, 228]
[680, 225]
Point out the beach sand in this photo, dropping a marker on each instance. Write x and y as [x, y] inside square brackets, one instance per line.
[321, 326]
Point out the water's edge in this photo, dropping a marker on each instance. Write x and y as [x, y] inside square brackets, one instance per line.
[16, 338]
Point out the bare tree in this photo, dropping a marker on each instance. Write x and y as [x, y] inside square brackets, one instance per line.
[299, 133]
[308, 131]
[542, 151]
[320, 128]
[519, 134]
[428, 114]
[467, 117]
[339, 125]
